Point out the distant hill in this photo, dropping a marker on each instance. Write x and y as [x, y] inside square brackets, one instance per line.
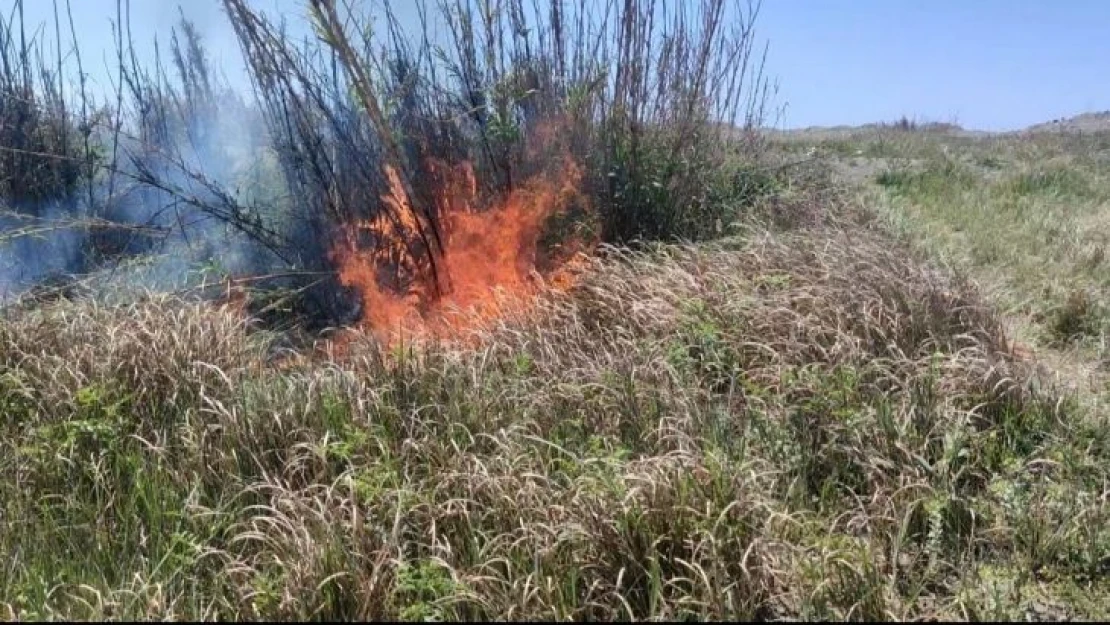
[1085, 123]
[824, 133]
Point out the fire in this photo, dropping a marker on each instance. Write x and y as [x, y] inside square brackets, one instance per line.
[491, 257]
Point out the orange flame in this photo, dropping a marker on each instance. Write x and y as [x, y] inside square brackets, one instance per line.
[489, 260]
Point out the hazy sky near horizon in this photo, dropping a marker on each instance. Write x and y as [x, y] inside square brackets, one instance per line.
[985, 64]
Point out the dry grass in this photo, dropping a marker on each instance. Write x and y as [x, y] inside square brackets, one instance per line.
[801, 425]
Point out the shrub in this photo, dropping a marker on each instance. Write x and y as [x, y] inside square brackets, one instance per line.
[518, 88]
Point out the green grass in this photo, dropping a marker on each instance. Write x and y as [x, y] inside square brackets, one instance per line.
[1027, 217]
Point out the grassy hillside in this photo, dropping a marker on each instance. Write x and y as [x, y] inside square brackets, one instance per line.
[809, 419]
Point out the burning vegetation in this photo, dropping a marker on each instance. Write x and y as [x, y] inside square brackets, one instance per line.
[398, 181]
[492, 254]
[445, 183]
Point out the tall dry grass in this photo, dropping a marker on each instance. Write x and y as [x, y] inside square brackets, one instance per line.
[802, 425]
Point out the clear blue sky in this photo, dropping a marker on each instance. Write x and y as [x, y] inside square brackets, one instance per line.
[990, 64]
[986, 64]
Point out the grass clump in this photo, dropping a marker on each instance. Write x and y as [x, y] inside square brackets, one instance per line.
[1077, 318]
[1058, 181]
[936, 179]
